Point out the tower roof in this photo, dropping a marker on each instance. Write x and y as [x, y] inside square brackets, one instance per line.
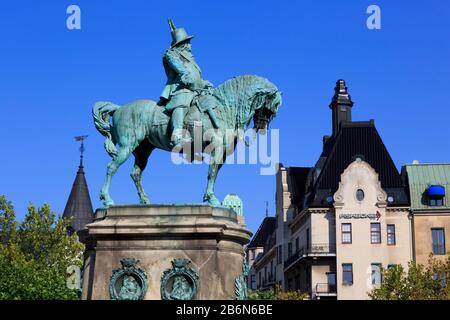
[265, 230]
[79, 205]
[341, 95]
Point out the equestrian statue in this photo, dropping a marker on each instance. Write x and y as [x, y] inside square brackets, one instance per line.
[187, 102]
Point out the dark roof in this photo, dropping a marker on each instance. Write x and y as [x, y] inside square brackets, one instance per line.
[357, 139]
[265, 230]
[79, 205]
[298, 180]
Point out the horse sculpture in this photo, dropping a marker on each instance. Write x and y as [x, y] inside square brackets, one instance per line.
[141, 126]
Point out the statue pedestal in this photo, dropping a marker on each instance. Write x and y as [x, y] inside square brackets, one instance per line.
[212, 239]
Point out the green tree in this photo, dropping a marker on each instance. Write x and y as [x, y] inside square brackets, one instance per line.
[35, 254]
[276, 294]
[418, 282]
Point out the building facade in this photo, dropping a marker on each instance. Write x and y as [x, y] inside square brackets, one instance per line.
[427, 185]
[341, 220]
[260, 246]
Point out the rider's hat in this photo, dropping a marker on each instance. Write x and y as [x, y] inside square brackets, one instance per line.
[179, 35]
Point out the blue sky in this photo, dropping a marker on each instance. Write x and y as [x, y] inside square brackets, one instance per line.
[50, 78]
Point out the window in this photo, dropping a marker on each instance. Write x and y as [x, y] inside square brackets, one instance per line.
[391, 234]
[440, 277]
[253, 282]
[347, 274]
[346, 230]
[436, 202]
[297, 245]
[436, 194]
[359, 195]
[289, 249]
[438, 238]
[279, 254]
[331, 278]
[375, 233]
[376, 273]
[308, 238]
[259, 279]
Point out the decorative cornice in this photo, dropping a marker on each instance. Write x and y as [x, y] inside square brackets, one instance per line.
[397, 209]
[381, 194]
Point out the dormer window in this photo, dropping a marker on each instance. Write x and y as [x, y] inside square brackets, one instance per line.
[436, 196]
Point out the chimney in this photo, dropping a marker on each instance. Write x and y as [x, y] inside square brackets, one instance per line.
[341, 106]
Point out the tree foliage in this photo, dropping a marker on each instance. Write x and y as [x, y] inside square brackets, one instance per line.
[35, 254]
[418, 282]
[276, 294]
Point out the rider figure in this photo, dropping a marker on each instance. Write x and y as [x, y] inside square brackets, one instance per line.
[184, 81]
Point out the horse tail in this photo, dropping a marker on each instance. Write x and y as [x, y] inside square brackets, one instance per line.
[102, 111]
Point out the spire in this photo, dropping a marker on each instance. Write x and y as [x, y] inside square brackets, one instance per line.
[79, 205]
[341, 106]
[81, 138]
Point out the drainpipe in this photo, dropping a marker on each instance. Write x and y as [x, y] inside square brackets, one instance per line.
[412, 239]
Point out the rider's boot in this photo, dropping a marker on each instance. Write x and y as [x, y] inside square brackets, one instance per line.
[214, 120]
[177, 133]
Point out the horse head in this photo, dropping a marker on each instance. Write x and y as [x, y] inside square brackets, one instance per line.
[266, 109]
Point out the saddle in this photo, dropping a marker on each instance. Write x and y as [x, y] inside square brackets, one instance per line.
[206, 103]
[203, 102]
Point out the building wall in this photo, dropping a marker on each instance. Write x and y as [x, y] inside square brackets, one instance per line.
[323, 227]
[361, 253]
[263, 267]
[283, 209]
[252, 254]
[319, 259]
[423, 223]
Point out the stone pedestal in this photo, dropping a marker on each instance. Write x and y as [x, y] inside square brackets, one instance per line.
[212, 239]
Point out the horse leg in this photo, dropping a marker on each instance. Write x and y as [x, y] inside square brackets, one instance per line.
[141, 155]
[113, 165]
[213, 170]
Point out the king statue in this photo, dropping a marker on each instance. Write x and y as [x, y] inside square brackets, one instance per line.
[139, 127]
[184, 82]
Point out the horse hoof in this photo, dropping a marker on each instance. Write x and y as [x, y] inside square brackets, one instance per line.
[211, 200]
[108, 203]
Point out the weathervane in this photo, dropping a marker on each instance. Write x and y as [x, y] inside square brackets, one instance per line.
[81, 138]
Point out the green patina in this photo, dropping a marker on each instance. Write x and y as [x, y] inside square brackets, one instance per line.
[180, 282]
[128, 282]
[141, 126]
[240, 283]
[422, 176]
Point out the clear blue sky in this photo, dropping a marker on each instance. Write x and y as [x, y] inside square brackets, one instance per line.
[50, 78]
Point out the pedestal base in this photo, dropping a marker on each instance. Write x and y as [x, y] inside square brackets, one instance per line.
[210, 238]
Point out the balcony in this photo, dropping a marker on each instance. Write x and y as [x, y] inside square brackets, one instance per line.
[315, 250]
[324, 289]
[269, 282]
